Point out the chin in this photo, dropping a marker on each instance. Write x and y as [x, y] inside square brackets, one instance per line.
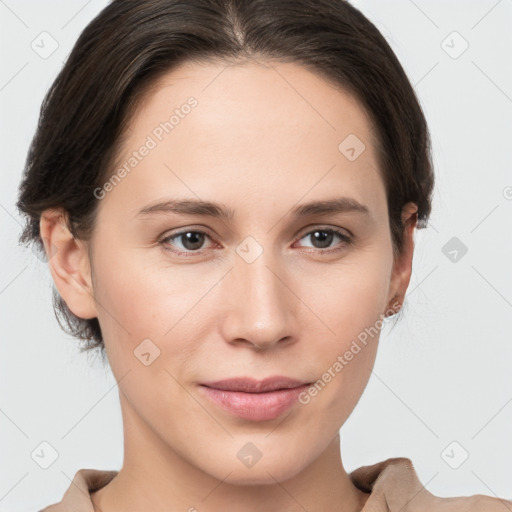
[267, 470]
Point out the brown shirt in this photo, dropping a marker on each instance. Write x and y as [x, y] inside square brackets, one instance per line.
[392, 484]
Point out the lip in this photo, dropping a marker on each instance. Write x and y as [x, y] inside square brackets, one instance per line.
[256, 400]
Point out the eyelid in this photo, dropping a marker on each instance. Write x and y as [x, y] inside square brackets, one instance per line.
[319, 227]
[188, 229]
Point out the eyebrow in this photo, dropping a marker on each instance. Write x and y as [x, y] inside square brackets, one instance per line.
[218, 210]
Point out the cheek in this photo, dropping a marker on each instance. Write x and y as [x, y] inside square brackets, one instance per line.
[350, 303]
[130, 303]
[145, 297]
[350, 295]
[148, 335]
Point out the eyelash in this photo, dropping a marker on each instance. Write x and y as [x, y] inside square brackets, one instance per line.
[346, 241]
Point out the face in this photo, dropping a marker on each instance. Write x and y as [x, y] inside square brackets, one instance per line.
[186, 296]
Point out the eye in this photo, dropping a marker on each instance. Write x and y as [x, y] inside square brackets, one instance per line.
[191, 241]
[323, 237]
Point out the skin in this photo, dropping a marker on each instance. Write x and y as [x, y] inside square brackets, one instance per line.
[263, 138]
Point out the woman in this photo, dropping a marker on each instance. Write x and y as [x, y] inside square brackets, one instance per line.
[227, 192]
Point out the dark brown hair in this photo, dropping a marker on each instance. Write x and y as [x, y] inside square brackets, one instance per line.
[131, 43]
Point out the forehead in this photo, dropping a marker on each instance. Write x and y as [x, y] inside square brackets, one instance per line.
[267, 129]
[245, 94]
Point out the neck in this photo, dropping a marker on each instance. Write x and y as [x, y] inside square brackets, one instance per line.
[155, 477]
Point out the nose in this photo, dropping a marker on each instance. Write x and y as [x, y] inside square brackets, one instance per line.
[259, 307]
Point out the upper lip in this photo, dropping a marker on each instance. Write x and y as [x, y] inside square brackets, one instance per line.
[249, 385]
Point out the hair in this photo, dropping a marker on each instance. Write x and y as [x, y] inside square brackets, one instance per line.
[125, 49]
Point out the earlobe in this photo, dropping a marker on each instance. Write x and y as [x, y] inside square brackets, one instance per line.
[69, 264]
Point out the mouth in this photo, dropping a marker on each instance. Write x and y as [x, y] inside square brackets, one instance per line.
[256, 400]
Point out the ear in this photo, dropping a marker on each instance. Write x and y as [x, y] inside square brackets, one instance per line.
[69, 264]
[402, 267]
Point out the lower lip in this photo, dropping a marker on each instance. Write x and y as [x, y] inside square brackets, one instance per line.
[255, 406]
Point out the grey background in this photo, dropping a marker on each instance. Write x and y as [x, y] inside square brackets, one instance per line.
[441, 387]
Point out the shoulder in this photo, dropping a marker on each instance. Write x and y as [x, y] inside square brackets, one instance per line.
[393, 485]
[475, 503]
[78, 495]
